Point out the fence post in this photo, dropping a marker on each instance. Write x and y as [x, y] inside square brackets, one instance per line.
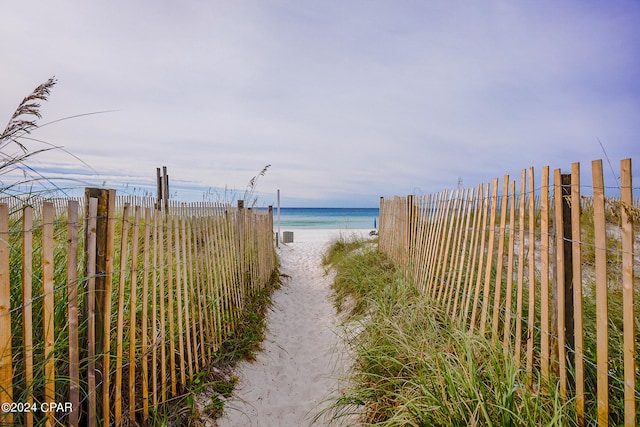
[159, 189]
[6, 357]
[241, 241]
[568, 262]
[271, 225]
[381, 213]
[103, 276]
[410, 232]
[165, 188]
[629, 354]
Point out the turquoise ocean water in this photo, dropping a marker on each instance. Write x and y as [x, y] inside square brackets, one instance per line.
[326, 218]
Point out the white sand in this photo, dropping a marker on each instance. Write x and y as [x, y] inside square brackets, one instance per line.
[303, 357]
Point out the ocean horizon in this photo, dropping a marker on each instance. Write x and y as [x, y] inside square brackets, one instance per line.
[326, 218]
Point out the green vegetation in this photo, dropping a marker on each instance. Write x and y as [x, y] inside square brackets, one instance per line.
[216, 380]
[206, 394]
[413, 366]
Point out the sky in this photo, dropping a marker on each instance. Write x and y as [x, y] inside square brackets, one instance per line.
[347, 100]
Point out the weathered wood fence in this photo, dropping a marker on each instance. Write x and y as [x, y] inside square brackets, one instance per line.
[109, 309]
[546, 271]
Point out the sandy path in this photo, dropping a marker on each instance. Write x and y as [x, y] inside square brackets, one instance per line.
[302, 358]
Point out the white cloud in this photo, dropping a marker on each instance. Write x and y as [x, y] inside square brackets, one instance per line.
[342, 98]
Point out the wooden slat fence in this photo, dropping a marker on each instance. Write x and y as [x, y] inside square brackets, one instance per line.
[107, 313]
[549, 271]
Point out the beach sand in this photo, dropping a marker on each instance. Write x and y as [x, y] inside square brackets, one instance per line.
[303, 357]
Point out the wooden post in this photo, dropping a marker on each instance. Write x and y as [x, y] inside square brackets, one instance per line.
[545, 336]
[165, 188]
[510, 268]
[271, 223]
[6, 365]
[531, 315]
[576, 272]
[520, 281]
[103, 275]
[162, 183]
[133, 285]
[602, 313]
[568, 262]
[27, 307]
[626, 197]
[48, 306]
[241, 241]
[410, 220]
[159, 189]
[124, 248]
[90, 274]
[278, 233]
[72, 299]
[145, 315]
[562, 289]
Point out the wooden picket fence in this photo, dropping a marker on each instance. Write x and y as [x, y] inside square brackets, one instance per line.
[109, 309]
[546, 271]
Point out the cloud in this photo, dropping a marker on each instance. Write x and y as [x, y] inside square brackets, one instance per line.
[347, 100]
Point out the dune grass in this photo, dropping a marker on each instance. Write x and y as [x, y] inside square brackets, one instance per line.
[413, 367]
[205, 397]
[22, 185]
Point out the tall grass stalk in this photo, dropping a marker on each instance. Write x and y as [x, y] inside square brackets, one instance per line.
[413, 366]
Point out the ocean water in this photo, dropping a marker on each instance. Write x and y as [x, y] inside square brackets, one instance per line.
[326, 218]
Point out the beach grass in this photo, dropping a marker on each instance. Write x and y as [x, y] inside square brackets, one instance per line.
[413, 366]
[216, 381]
[205, 398]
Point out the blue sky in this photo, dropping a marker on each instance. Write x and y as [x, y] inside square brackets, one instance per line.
[347, 100]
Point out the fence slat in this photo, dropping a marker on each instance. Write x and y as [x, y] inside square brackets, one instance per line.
[27, 305]
[521, 262]
[144, 329]
[510, 261]
[48, 307]
[117, 386]
[531, 318]
[602, 317]
[6, 368]
[72, 301]
[185, 295]
[560, 283]
[171, 313]
[576, 231]
[91, 220]
[133, 301]
[628, 299]
[544, 277]
[161, 334]
[190, 292]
